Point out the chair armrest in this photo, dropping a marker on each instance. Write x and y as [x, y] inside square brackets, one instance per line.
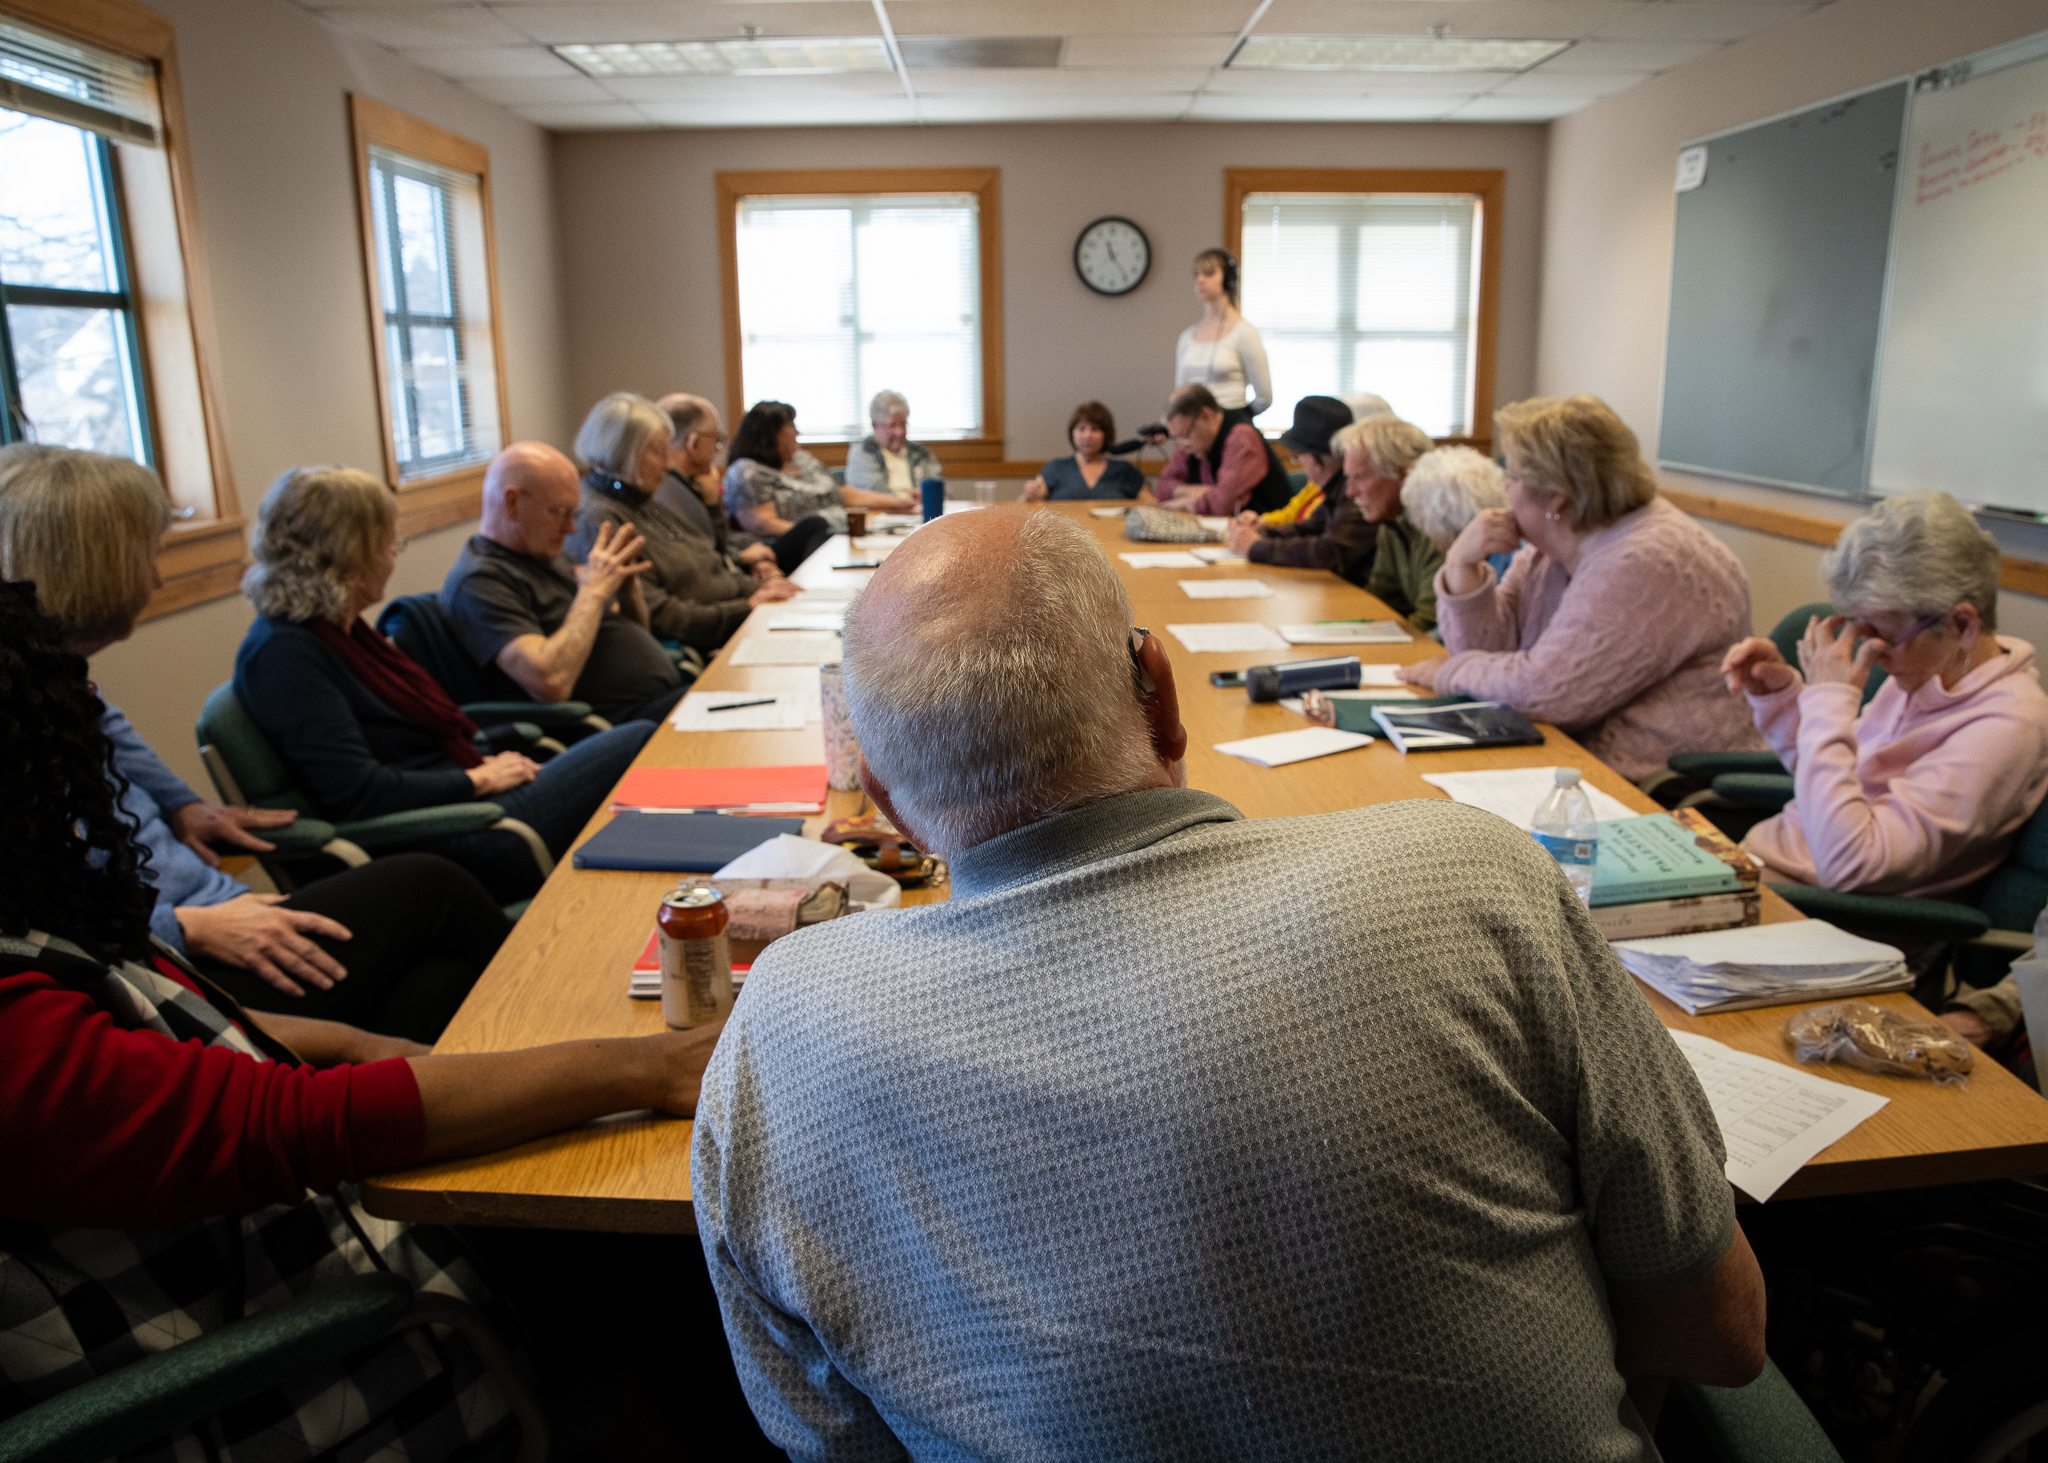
[1709, 765]
[1764, 1422]
[544, 714]
[1755, 789]
[111, 1414]
[416, 825]
[300, 838]
[508, 736]
[1932, 919]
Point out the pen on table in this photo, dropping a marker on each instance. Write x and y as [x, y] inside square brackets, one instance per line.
[1343, 622]
[739, 705]
[860, 564]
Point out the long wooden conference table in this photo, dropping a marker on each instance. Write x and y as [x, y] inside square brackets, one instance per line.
[562, 975]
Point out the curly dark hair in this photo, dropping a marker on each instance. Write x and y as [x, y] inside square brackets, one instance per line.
[755, 438]
[70, 860]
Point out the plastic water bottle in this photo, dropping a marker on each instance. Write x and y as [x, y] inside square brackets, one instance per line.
[1566, 828]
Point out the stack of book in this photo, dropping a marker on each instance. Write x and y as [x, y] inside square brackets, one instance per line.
[1670, 874]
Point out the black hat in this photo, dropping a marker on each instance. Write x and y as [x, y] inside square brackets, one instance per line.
[1316, 420]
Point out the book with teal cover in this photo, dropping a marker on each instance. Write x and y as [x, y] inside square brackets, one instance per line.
[1656, 857]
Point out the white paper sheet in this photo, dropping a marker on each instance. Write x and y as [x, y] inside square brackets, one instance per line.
[1380, 675]
[1175, 559]
[1107, 512]
[1225, 589]
[825, 621]
[785, 711]
[828, 596]
[1281, 748]
[1229, 635]
[1774, 1118]
[1795, 942]
[1218, 556]
[1515, 793]
[1373, 632]
[1214, 525]
[787, 650]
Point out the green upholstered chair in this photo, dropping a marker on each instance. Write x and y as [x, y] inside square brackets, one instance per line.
[1764, 1422]
[416, 624]
[838, 475]
[1297, 480]
[248, 772]
[175, 1388]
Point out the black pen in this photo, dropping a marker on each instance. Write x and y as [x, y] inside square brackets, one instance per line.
[738, 705]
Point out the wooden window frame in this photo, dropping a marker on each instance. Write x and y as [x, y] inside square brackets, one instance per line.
[1488, 185]
[425, 503]
[203, 558]
[983, 183]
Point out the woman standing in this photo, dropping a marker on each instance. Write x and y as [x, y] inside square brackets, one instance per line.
[1222, 350]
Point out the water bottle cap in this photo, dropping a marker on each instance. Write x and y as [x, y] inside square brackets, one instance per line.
[1567, 777]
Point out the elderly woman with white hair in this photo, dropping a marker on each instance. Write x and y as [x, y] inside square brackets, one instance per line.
[1923, 790]
[1449, 487]
[694, 594]
[886, 460]
[364, 729]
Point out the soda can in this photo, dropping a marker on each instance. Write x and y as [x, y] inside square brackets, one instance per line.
[696, 964]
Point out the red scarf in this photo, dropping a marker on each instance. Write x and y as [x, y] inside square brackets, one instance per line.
[399, 683]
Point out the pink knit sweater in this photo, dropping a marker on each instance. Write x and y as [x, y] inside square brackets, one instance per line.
[1917, 795]
[1624, 653]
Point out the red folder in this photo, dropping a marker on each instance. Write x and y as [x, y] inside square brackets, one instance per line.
[719, 787]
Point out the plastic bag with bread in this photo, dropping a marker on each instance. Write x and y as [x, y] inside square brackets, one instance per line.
[1859, 1034]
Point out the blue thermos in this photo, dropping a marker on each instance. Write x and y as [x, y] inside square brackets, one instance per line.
[934, 497]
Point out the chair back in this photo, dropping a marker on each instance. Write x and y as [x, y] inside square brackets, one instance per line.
[1787, 633]
[838, 475]
[1297, 480]
[2018, 890]
[230, 741]
[417, 625]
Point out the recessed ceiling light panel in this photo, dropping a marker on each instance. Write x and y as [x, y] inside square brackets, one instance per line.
[760, 56]
[1389, 53]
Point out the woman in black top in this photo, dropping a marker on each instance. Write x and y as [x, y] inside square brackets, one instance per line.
[1090, 472]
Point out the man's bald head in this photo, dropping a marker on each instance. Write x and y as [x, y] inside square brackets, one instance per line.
[530, 499]
[989, 677]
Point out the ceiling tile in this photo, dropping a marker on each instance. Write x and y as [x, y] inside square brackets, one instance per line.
[1322, 108]
[1068, 17]
[844, 112]
[522, 91]
[845, 89]
[1518, 108]
[1629, 55]
[556, 23]
[575, 118]
[426, 29]
[1691, 20]
[1011, 108]
[1353, 83]
[1073, 86]
[323, 6]
[1147, 50]
[469, 63]
[1542, 83]
[1471, 19]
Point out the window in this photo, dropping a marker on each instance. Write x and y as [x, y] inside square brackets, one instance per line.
[842, 284]
[106, 339]
[433, 295]
[1369, 282]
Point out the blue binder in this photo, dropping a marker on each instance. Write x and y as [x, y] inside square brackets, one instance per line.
[678, 843]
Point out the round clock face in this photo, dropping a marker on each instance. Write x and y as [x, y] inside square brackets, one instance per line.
[1112, 256]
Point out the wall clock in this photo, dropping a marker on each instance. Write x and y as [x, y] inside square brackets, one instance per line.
[1112, 256]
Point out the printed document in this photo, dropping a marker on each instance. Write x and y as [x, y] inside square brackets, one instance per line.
[787, 650]
[1225, 589]
[1229, 635]
[701, 711]
[1774, 1118]
[1515, 793]
[1162, 559]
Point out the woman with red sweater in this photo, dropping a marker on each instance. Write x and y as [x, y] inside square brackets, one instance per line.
[174, 1162]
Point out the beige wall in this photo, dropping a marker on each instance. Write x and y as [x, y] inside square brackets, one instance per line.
[640, 244]
[1608, 222]
[266, 101]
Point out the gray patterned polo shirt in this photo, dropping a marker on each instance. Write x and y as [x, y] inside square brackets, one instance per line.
[1176, 1135]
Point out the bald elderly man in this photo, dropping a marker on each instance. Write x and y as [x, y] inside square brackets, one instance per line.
[1174, 1135]
[558, 631]
[694, 489]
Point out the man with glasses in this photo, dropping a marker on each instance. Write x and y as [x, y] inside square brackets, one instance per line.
[557, 631]
[694, 491]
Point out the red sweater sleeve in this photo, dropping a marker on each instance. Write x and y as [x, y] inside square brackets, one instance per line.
[129, 1129]
[1244, 468]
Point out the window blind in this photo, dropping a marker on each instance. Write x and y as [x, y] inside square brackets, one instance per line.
[1367, 292]
[46, 75]
[844, 297]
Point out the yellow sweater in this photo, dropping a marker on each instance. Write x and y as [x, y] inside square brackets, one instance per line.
[1298, 507]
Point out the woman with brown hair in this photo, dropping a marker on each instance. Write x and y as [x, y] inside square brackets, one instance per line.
[1091, 472]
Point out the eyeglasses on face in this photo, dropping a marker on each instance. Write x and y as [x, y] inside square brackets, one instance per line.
[718, 439]
[564, 516]
[1927, 622]
[1136, 644]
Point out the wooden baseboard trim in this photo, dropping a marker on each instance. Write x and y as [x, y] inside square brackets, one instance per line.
[2021, 576]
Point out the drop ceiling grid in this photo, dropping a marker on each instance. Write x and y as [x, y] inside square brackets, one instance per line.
[1136, 59]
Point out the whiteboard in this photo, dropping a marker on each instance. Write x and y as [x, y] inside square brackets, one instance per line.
[1962, 398]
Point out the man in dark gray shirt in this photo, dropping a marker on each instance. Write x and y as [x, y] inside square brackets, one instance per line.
[1173, 1134]
[560, 632]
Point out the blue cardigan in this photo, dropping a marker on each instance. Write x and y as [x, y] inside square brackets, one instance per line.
[352, 755]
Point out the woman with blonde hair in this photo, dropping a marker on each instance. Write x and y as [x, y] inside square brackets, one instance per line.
[1222, 350]
[694, 594]
[1612, 623]
[392, 947]
[365, 730]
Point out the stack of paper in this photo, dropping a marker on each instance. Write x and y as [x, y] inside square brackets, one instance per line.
[703, 711]
[1764, 965]
[1162, 559]
[1236, 635]
[1281, 748]
[1108, 512]
[787, 650]
[1774, 1119]
[1515, 793]
[1347, 632]
[1224, 589]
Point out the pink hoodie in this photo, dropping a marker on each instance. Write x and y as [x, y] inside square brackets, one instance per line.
[1919, 794]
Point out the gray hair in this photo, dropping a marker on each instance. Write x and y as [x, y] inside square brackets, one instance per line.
[691, 415]
[1914, 554]
[1365, 406]
[1447, 488]
[317, 532]
[617, 431]
[1392, 444]
[1022, 714]
[888, 404]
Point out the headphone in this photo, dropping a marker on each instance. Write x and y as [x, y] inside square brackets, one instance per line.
[1229, 272]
